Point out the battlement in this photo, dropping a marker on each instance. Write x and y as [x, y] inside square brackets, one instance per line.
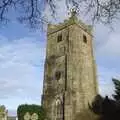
[52, 28]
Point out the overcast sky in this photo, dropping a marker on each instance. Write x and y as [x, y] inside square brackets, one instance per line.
[22, 55]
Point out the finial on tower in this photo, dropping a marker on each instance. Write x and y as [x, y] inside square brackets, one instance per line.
[73, 12]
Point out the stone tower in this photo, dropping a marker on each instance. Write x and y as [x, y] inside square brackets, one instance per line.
[70, 70]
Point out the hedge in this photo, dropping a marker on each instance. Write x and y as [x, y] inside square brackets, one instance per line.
[25, 108]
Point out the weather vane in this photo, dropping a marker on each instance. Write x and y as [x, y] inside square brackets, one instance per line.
[73, 11]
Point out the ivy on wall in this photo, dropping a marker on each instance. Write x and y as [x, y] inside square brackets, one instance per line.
[30, 112]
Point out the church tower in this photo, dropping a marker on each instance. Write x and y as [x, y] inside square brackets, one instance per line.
[70, 71]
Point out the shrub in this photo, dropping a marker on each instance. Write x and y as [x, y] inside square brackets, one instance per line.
[31, 110]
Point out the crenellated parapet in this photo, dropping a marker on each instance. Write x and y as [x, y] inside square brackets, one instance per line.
[72, 20]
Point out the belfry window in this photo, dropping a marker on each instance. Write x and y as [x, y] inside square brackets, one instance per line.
[84, 39]
[59, 38]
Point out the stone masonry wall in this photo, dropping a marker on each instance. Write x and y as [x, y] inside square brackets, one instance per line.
[74, 59]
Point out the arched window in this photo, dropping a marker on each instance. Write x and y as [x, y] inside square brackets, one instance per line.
[58, 75]
[59, 110]
[59, 38]
[84, 39]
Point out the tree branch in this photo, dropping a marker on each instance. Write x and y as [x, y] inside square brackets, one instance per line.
[31, 11]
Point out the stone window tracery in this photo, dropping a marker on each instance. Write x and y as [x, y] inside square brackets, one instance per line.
[59, 110]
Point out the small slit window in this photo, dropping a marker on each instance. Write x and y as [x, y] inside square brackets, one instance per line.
[58, 75]
[59, 38]
[84, 39]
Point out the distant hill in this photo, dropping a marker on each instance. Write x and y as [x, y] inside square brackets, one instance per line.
[12, 112]
[11, 118]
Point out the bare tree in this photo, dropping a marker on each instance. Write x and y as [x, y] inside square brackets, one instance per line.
[30, 11]
[27, 11]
